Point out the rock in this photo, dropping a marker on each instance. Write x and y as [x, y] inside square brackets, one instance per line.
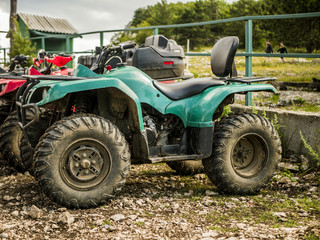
[15, 213]
[7, 198]
[281, 216]
[235, 199]
[54, 226]
[210, 234]
[47, 229]
[117, 217]
[284, 180]
[211, 193]
[100, 222]
[65, 218]
[188, 194]
[199, 176]
[313, 189]
[4, 235]
[288, 166]
[35, 212]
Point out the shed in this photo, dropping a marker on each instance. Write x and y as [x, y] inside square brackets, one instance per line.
[51, 34]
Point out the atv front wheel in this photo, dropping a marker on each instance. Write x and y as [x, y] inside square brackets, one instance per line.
[4, 109]
[82, 161]
[29, 142]
[246, 152]
[185, 168]
[10, 136]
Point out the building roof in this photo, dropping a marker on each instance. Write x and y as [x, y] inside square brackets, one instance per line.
[47, 24]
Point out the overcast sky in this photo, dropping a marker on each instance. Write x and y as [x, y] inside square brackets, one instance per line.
[84, 15]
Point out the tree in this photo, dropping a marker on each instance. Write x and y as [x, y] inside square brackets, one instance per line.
[13, 16]
[21, 45]
[244, 8]
[298, 33]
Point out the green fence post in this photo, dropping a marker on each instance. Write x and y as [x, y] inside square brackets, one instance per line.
[249, 58]
[4, 56]
[155, 31]
[67, 45]
[43, 43]
[101, 39]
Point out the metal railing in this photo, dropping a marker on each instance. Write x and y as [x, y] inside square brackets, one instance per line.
[248, 54]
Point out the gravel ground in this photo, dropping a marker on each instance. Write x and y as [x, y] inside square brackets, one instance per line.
[156, 203]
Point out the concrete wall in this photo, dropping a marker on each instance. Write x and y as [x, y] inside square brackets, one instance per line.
[291, 123]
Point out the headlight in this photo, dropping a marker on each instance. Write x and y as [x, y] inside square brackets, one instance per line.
[36, 95]
[44, 92]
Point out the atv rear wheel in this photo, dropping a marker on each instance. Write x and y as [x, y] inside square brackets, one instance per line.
[10, 136]
[246, 152]
[82, 161]
[185, 168]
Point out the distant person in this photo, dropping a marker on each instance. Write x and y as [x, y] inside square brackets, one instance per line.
[282, 49]
[268, 49]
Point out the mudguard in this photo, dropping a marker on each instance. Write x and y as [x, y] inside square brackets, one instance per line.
[11, 85]
[197, 111]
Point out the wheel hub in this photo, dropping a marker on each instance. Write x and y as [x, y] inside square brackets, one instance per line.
[243, 153]
[249, 155]
[85, 163]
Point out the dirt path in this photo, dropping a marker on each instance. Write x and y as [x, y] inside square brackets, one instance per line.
[158, 204]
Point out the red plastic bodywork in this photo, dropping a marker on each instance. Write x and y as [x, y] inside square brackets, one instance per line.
[13, 84]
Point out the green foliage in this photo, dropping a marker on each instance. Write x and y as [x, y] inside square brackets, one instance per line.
[226, 111]
[21, 45]
[302, 32]
[314, 153]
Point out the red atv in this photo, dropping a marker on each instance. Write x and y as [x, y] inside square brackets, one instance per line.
[12, 80]
[10, 132]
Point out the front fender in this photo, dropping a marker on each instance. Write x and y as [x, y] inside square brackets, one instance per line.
[197, 111]
[10, 85]
[59, 89]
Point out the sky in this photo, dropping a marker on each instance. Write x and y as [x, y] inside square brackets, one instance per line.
[84, 15]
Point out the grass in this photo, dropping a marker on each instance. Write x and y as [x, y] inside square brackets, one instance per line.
[292, 70]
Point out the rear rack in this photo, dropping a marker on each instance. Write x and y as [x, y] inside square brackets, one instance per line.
[53, 77]
[249, 80]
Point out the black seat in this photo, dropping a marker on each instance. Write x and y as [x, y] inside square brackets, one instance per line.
[222, 57]
[187, 88]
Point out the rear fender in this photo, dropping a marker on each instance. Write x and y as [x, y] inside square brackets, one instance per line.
[198, 111]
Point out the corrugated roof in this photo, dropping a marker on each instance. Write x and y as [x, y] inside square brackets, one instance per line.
[47, 24]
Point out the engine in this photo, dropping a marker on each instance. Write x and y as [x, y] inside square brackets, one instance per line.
[162, 129]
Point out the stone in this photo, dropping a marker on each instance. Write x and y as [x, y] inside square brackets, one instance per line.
[313, 189]
[100, 222]
[4, 235]
[47, 229]
[15, 213]
[7, 198]
[210, 234]
[211, 193]
[65, 218]
[54, 226]
[188, 194]
[284, 180]
[117, 217]
[35, 212]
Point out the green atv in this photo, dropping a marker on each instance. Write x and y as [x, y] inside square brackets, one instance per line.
[125, 117]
